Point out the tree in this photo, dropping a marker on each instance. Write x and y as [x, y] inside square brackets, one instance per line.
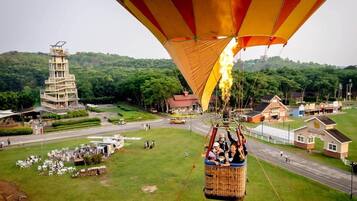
[156, 91]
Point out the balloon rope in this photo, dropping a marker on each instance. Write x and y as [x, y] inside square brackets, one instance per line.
[267, 178]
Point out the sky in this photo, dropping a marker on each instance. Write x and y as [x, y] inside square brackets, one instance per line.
[328, 37]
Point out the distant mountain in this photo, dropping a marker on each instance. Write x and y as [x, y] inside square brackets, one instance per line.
[19, 69]
[278, 62]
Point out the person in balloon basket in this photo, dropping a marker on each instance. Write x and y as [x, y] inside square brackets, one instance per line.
[238, 150]
[236, 154]
[240, 141]
[217, 155]
[222, 143]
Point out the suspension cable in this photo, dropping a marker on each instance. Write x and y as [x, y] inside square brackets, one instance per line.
[267, 178]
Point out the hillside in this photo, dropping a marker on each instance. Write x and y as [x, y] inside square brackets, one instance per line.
[19, 69]
[278, 62]
[101, 77]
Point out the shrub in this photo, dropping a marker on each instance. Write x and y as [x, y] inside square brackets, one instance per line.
[51, 116]
[71, 122]
[113, 119]
[96, 158]
[15, 131]
[70, 114]
[92, 159]
[87, 159]
[94, 109]
[76, 113]
[98, 100]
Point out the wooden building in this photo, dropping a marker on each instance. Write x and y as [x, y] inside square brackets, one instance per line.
[271, 108]
[183, 103]
[322, 127]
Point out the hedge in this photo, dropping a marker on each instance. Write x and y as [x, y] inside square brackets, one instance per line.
[15, 131]
[70, 114]
[71, 122]
[74, 126]
[98, 100]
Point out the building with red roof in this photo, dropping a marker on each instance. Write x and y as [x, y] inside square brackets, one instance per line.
[184, 103]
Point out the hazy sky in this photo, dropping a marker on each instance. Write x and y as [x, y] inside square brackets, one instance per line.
[329, 36]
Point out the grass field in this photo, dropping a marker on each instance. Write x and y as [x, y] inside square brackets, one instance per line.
[167, 166]
[128, 113]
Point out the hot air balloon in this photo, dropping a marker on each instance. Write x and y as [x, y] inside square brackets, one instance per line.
[195, 32]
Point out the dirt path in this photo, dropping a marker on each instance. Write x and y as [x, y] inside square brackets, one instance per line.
[11, 192]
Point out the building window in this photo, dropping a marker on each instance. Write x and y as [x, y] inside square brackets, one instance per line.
[310, 140]
[300, 138]
[332, 147]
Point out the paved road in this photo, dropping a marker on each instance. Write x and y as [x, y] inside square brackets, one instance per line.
[331, 177]
[334, 178]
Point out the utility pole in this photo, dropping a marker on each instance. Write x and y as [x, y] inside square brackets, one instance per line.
[339, 96]
[353, 164]
[349, 90]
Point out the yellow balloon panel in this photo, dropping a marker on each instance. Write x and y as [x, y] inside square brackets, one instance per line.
[196, 59]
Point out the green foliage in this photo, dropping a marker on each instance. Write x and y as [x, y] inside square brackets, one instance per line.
[73, 126]
[98, 100]
[15, 131]
[51, 116]
[76, 113]
[114, 119]
[95, 109]
[108, 78]
[77, 121]
[92, 159]
[70, 114]
[18, 101]
[96, 158]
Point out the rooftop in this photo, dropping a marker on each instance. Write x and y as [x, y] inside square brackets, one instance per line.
[338, 135]
[326, 120]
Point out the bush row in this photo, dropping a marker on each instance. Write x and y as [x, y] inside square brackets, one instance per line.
[70, 114]
[74, 126]
[98, 100]
[94, 109]
[15, 131]
[71, 122]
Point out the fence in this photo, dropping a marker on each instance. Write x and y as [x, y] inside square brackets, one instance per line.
[268, 138]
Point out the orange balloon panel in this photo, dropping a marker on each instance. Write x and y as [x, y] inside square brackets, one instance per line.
[195, 32]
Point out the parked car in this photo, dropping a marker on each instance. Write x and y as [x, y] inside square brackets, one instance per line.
[177, 121]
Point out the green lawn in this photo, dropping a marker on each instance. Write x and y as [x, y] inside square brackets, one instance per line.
[166, 166]
[128, 112]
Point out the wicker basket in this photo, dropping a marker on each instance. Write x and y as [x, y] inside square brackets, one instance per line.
[225, 183]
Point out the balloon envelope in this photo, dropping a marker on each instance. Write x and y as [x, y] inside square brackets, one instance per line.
[195, 32]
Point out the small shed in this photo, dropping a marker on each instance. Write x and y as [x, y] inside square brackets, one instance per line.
[335, 142]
